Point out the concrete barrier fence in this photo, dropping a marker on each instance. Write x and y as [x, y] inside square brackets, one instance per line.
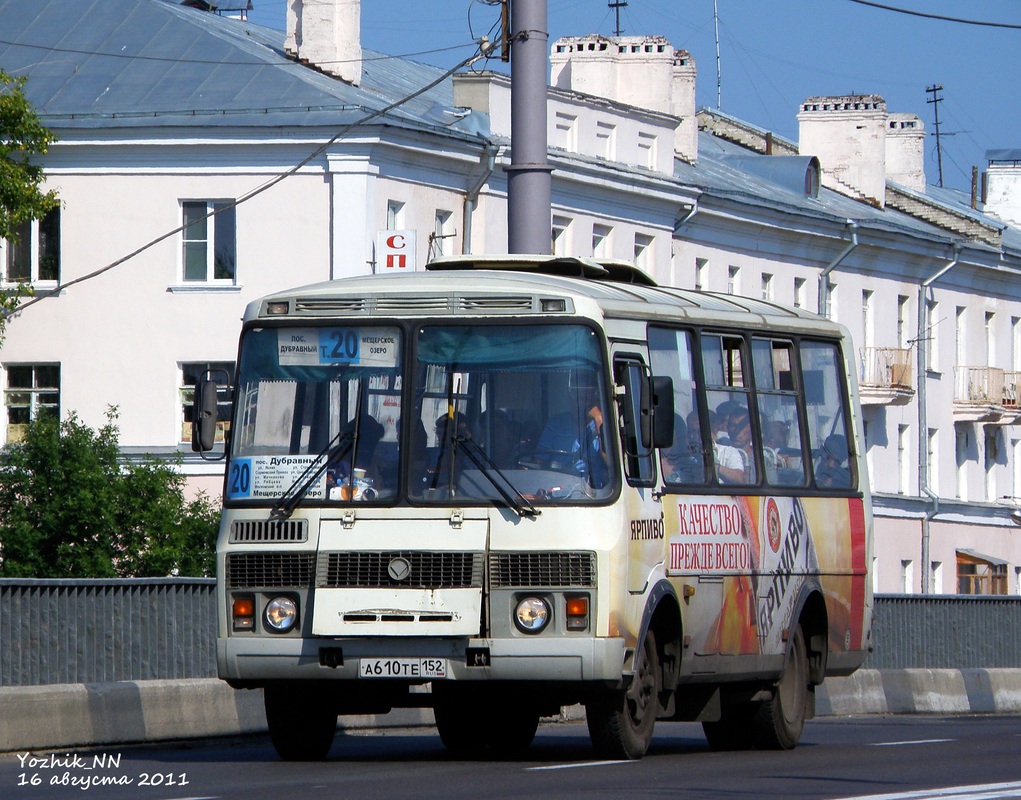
[89, 715]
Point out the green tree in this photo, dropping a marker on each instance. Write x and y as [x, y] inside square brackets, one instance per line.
[22, 136]
[70, 508]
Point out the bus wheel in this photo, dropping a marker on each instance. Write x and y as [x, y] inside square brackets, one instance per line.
[620, 725]
[458, 720]
[511, 728]
[780, 721]
[301, 725]
[733, 731]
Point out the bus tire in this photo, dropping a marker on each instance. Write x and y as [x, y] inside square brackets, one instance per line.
[511, 727]
[458, 721]
[733, 731]
[780, 720]
[620, 725]
[301, 725]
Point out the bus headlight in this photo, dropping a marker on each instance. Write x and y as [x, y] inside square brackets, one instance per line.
[281, 614]
[532, 615]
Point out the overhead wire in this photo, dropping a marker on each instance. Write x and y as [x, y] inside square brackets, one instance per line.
[484, 49]
[940, 17]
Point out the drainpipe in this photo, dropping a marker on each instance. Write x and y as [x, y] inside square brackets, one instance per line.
[488, 161]
[924, 330]
[687, 217]
[824, 276]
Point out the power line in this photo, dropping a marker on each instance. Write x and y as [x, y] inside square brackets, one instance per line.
[939, 17]
[485, 48]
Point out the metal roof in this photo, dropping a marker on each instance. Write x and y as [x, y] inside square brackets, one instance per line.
[125, 63]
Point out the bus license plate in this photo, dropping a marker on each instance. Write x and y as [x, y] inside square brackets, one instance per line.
[403, 668]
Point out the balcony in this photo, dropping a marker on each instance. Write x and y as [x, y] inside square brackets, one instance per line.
[986, 394]
[886, 376]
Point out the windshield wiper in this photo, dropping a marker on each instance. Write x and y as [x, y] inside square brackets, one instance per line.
[338, 446]
[508, 491]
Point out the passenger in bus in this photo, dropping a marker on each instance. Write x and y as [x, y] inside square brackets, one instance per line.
[832, 471]
[774, 443]
[574, 440]
[739, 428]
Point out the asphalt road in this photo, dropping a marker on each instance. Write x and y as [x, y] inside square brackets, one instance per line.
[896, 758]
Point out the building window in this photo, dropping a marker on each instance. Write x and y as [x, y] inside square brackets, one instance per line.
[643, 251]
[831, 301]
[701, 274]
[601, 240]
[32, 391]
[606, 140]
[799, 292]
[442, 235]
[990, 331]
[34, 256]
[907, 576]
[394, 215]
[733, 284]
[209, 241]
[959, 337]
[565, 134]
[647, 150]
[903, 460]
[767, 286]
[962, 462]
[977, 575]
[902, 321]
[561, 226]
[937, 577]
[932, 443]
[190, 374]
[931, 338]
[867, 318]
[992, 459]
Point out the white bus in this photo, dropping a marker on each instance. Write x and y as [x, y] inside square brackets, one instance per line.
[506, 485]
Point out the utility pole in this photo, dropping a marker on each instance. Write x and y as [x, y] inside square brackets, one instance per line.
[529, 192]
[935, 101]
[617, 5]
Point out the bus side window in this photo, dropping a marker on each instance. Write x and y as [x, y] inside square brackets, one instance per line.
[777, 395]
[833, 462]
[670, 354]
[728, 394]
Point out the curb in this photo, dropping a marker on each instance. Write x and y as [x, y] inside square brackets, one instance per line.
[87, 715]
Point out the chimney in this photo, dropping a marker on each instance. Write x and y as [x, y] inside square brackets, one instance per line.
[325, 34]
[1003, 185]
[905, 151]
[848, 134]
[641, 71]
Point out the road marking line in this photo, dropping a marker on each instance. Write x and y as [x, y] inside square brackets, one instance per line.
[576, 766]
[916, 741]
[986, 791]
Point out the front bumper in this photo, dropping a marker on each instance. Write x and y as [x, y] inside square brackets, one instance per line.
[256, 659]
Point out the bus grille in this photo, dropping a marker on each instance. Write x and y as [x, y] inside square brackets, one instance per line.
[271, 570]
[357, 570]
[509, 570]
[249, 531]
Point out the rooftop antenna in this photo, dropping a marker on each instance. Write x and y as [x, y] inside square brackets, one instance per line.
[617, 5]
[936, 100]
[719, 83]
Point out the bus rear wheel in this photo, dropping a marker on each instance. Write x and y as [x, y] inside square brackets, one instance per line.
[301, 725]
[620, 724]
[780, 720]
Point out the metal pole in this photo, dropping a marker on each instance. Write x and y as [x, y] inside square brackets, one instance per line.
[529, 223]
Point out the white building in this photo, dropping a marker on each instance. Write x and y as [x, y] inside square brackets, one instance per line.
[165, 114]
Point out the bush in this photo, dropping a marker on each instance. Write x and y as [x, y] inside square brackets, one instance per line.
[69, 508]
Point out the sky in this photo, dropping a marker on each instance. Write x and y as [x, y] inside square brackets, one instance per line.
[772, 56]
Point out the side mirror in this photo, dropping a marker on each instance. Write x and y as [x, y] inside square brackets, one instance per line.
[662, 412]
[203, 419]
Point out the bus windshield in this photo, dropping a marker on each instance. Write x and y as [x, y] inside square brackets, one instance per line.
[511, 414]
